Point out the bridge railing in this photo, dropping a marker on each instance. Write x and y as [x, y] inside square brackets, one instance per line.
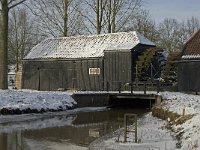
[138, 86]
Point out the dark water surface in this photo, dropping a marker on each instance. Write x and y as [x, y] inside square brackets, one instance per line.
[57, 131]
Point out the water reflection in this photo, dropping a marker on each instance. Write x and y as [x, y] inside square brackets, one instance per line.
[12, 141]
[78, 129]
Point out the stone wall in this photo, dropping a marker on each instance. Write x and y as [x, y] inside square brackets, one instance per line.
[18, 80]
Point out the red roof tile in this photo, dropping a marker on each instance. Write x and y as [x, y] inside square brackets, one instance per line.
[192, 46]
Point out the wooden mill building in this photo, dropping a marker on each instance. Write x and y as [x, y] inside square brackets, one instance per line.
[189, 66]
[86, 63]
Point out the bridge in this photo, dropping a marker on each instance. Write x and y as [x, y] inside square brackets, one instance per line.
[136, 94]
[98, 99]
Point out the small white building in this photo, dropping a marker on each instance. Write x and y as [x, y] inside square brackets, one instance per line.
[11, 75]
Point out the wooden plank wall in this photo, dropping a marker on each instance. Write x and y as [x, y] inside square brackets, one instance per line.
[89, 82]
[117, 68]
[68, 74]
[188, 76]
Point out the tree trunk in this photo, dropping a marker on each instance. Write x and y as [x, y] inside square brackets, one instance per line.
[17, 59]
[98, 16]
[109, 15]
[3, 45]
[114, 17]
[65, 17]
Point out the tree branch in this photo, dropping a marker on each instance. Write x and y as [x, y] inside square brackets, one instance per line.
[14, 5]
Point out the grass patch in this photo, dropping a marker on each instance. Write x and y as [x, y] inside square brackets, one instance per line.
[175, 118]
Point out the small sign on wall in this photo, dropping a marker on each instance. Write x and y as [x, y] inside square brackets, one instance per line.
[94, 71]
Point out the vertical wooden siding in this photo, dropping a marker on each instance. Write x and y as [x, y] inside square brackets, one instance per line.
[117, 68]
[188, 76]
[70, 74]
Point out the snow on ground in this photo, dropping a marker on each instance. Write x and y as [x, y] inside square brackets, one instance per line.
[35, 100]
[152, 134]
[177, 102]
[151, 130]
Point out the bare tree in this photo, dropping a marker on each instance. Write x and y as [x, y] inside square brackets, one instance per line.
[143, 23]
[21, 35]
[173, 34]
[168, 31]
[5, 6]
[94, 20]
[187, 29]
[100, 7]
[119, 13]
[108, 15]
[192, 25]
[57, 17]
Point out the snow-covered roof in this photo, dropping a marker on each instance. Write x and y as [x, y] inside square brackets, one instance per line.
[191, 56]
[191, 49]
[86, 46]
[11, 73]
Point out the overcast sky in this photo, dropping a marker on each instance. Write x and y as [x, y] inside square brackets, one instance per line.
[178, 9]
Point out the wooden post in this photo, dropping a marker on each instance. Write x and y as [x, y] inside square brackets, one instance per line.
[158, 99]
[150, 105]
[107, 86]
[125, 128]
[38, 79]
[183, 114]
[119, 87]
[158, 86]
[135, 128]
[131, 88]
[145, 88]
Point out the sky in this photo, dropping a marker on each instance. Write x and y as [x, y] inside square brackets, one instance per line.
[177, 9]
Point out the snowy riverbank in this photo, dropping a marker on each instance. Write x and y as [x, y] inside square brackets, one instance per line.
[181, 114]
[186, 106]
[28, 101]
[152, 134]
[181, 133]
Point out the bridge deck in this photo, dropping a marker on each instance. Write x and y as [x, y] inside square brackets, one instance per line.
[90, 99]
[133, 96]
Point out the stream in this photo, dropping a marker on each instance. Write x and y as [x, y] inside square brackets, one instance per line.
[73, 129]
